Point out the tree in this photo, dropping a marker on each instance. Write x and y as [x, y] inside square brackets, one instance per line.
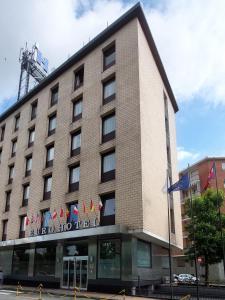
[205, 228]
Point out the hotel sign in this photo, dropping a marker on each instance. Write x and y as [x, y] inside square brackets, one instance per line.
[64, 227]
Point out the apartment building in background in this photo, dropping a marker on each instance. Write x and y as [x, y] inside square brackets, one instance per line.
[84, 159]
[198, 179]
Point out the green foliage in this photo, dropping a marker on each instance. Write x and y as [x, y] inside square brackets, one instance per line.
[204, 227]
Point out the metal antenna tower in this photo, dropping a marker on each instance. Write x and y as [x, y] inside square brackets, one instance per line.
[34, 65]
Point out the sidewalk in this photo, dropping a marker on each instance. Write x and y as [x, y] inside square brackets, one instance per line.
[70, 293]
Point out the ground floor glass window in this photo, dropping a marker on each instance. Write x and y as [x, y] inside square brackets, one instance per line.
[20, 261]
[109, 259]
[144, 255]
[45, 260]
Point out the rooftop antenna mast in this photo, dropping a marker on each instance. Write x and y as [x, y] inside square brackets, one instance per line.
[34, 65]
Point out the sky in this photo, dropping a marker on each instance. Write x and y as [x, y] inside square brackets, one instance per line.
[189, 35]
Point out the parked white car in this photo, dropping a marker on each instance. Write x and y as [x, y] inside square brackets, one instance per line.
[186, 278]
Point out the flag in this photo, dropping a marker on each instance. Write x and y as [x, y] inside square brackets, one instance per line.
[100, 205]
[181, 185]
[211, 175]
[75, 210]
[92, 207]
[32, 219]
[27, 222]
[61, 214]
[84, 208]
[54, 215]
[67, 213]
[46, 218]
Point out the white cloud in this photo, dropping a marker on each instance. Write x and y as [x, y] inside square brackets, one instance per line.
[184, 155]
[189, 35]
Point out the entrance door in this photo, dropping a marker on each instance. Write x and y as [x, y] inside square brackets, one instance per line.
[75, 272]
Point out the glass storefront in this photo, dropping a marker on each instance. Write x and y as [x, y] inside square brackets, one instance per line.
[76, 248]
[143, 254]
[109, 259]
[20, 260]
[44, 263]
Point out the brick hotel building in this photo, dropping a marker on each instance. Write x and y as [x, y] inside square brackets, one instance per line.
[99, 129]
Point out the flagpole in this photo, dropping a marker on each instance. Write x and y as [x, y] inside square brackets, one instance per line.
[220, 220]
[192, 218]
[169, 234]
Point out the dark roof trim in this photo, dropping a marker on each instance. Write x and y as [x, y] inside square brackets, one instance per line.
[135, 12]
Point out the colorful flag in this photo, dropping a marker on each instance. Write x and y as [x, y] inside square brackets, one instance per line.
[61, 213]
[100, 205]
[75, 210]
[54, 215]
[181, 185]
[27, 222]
[92, 207]
[67, 213]
[211, 175]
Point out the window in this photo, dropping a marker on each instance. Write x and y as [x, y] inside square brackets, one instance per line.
[143, 254]
[7, 200]
[109, 90]
[54, 95]
[47, 187]
[44, 262]
[45, 218]
[22, 226]
[108, 166]
[75, 143]
[4, 230]
[17, 121]
[73, 217]
[50, 156]
[14, 144]
[11, 174]
[52, 125]
[0, 155]
[109, 57]
[107, 214]
[108, 128]
[33, 110]
[20, 261]
[74, 178]
[2, 133]
[77, 110]
[26, 194]
[28, 166]
[31, 137]
[223, 166]
[109, 258]
[79, 78]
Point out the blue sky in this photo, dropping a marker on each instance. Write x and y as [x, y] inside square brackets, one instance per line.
[189, 35]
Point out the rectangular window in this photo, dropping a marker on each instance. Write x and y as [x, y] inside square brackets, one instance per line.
[223, 166]
[7, 200]
[2, 133]
[74, 178]
[75, 143]
[44, 263]
[20, 261]
[108, 128]
[143, 255]
[73, 216]
[26, 194]
[33, 110]
[54, 95]
[52, 125]
[108, 166]
[47, 187]
[109, 57]
[17, 121]
[107, 214]
[4, 230]
[50, 156]
[22, 227]
[109, 90]
[14, 145]
[28, 166]
[31, 137]
[11, 174]
[77, 110]
[78, 78]
[109, 256]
